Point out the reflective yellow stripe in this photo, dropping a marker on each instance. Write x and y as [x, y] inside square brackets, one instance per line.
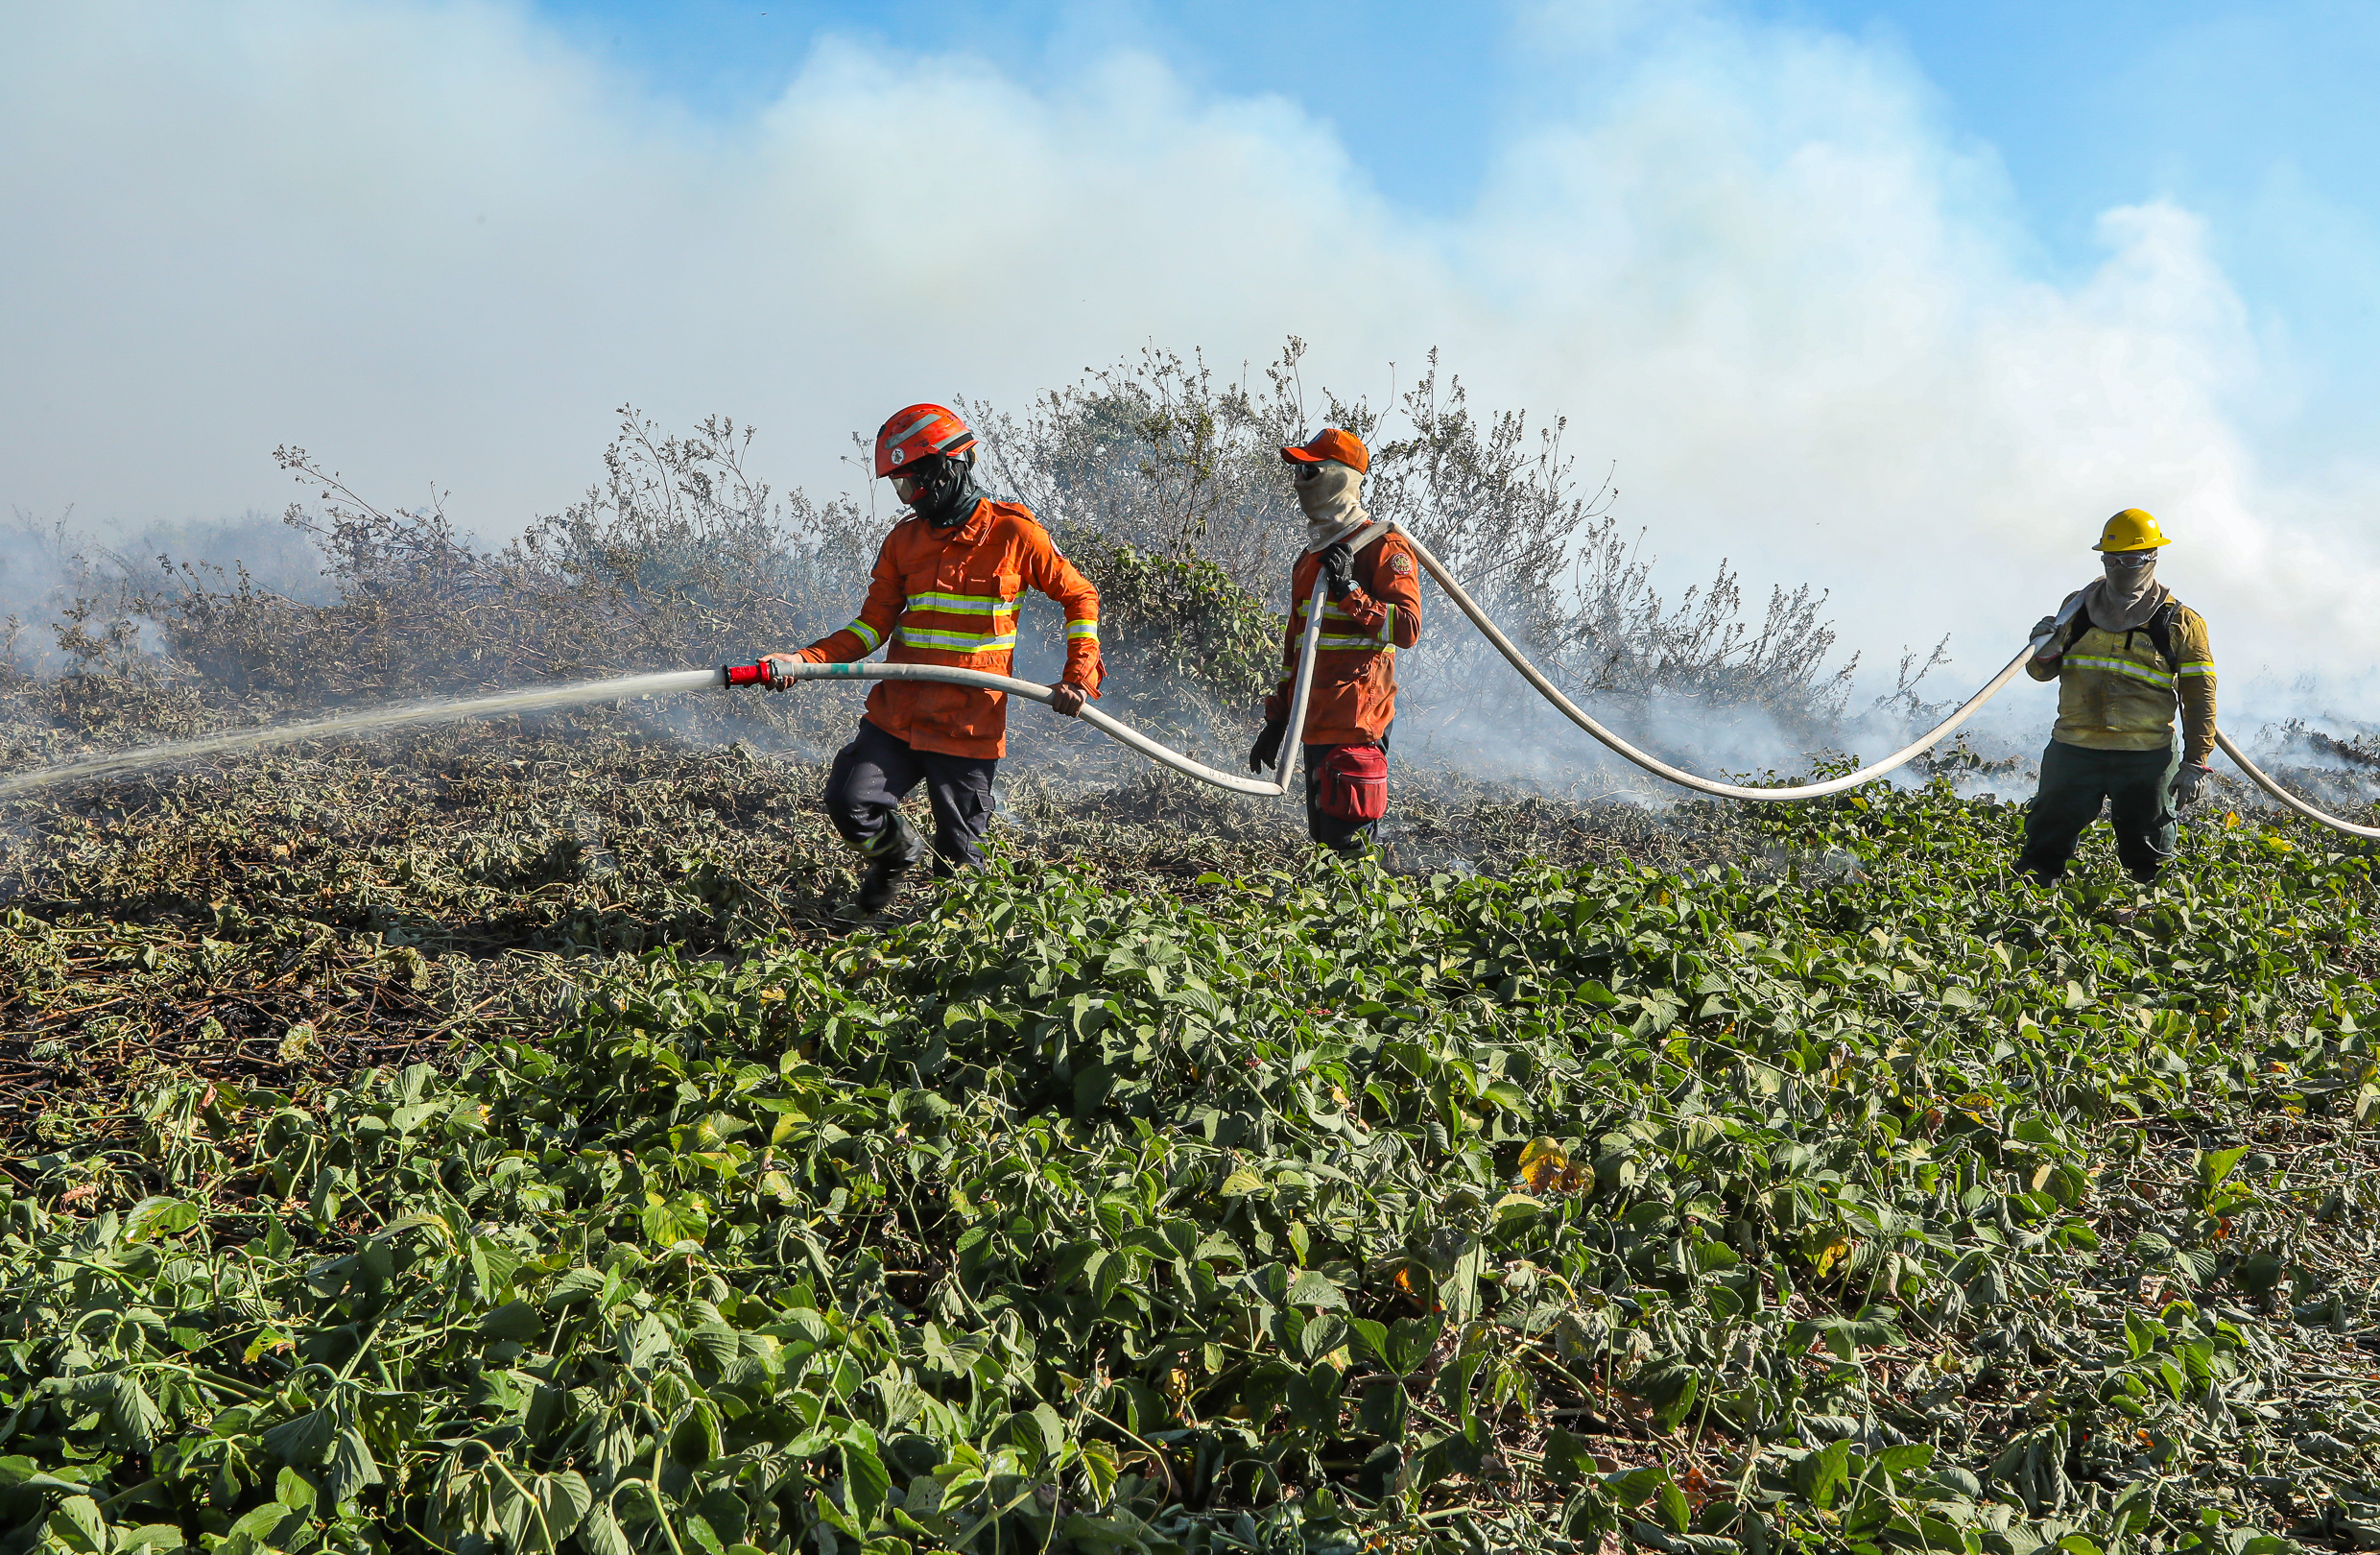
[866, 633]
[2126, 667]
[1083, 629]
[1388, 623]
[956, 643]
[964, 604]
[1333, 612]
[2196, 669]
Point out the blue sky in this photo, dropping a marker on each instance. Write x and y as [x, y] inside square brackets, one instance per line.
[1840, 290]
[2263, 118]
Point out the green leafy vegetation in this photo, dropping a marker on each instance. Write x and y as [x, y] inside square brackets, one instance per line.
[1849, 1196]
[501, 1139]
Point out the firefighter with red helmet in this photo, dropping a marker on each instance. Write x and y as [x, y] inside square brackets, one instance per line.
[1375, 609]
[944, 591]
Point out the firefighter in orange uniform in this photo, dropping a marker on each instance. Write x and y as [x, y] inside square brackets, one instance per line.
[944, 592]
[1375, 609]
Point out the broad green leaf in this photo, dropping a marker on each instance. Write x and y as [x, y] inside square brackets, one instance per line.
[76, 1522]
[1240, 1183]
[1316, 1289]
[866, 1480]
[156, 1217]
[565, 1498]
[516, 1321]
[2214, 1166]
[695, 1438]
[303, 1440]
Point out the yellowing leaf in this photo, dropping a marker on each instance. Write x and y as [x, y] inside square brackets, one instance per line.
[1543, 1163]
[1829, 1253]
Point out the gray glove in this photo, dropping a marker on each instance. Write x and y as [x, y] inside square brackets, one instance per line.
[2046, 627]
[2186, 784]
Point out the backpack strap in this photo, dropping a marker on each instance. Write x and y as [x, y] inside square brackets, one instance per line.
[2075, 628]
[2159, 626]
[2160, 630]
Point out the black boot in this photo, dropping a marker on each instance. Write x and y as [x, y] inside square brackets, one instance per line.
[900, 848]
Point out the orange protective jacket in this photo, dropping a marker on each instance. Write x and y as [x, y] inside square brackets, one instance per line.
[1355, 693]
[948, 596]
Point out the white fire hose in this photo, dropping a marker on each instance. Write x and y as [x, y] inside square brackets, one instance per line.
[1285, 770]
[1114, 728]
[1834, 785]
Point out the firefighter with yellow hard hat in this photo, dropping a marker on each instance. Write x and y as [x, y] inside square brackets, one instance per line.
[2126, 656]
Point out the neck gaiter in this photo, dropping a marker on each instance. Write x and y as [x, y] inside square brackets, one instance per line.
[1332, 501]
[2127, 594]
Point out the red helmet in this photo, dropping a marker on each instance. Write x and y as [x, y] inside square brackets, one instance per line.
[916, 431]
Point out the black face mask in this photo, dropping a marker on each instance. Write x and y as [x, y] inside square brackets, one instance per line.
[949, 494]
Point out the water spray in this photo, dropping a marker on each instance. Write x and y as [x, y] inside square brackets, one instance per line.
[758, 673]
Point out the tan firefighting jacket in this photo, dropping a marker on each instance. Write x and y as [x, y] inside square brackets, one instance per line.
[2118, 691]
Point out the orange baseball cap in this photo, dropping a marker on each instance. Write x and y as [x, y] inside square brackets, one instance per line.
[1331, 443]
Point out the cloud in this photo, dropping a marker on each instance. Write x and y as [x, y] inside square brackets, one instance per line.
[1749, 263]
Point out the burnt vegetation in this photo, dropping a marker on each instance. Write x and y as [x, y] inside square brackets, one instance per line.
[499, 1137]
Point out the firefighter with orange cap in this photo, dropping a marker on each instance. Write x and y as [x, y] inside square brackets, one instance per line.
[1374, 607]
[2126, 656]
[944, 591]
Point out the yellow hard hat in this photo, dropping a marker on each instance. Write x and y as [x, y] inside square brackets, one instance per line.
[2130, 530]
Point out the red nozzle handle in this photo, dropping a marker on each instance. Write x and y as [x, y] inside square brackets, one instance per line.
[745, 674]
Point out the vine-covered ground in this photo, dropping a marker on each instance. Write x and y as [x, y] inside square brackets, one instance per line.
[500, 1142]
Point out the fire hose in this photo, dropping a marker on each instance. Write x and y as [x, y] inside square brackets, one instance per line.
[1114, 728]
[516, 702]
[1536, 678]
[1941, 731]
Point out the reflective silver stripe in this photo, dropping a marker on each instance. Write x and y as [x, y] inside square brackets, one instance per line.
[927, 419]
[1388, 623]
[2196, 669]
[866, 633]
[2126, 667]
[956, 643]
[1083, 629]
[1369, 644]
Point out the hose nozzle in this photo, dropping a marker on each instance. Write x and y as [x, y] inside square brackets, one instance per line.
[756, 674]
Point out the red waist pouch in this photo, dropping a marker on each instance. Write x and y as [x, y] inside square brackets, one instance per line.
[1352, 784]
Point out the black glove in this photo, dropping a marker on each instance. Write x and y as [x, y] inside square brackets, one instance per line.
[1339, 571]
[1268, 747]
[2186, 784]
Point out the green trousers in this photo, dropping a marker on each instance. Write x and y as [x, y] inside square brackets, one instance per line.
[2137, 787]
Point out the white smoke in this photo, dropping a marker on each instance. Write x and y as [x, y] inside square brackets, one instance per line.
[435, 242]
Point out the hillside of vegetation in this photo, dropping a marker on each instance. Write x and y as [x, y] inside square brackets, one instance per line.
[502, 1139]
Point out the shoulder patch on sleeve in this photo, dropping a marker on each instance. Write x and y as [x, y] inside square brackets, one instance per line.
[1400, 565]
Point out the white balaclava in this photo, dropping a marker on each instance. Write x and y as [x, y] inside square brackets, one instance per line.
[1332, 498]
[2127, 594]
